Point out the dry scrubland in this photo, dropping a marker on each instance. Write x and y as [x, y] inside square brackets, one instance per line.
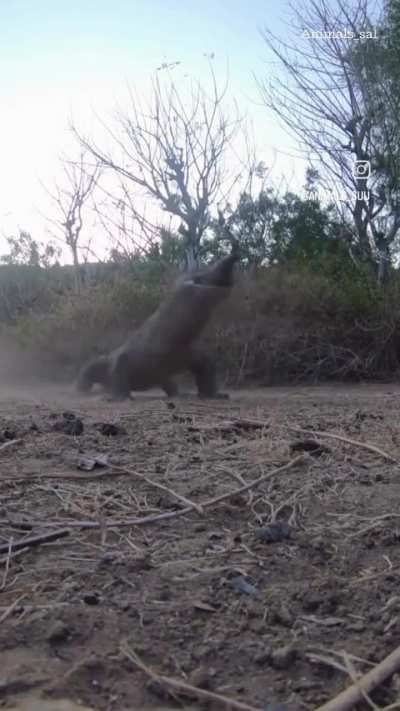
[275, 594]
[280, 326]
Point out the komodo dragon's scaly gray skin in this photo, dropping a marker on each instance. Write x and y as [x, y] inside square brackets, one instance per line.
[165, 344]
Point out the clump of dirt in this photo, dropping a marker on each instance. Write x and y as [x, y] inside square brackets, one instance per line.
[254, 596]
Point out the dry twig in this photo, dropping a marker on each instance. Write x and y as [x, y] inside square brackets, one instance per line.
[33, 541]
[162, 487]
[87, 476]
[181, 686]
[347, 440]
[7, 565]
[145, 520]
[355, 693]
[7, 444]
[10, 609]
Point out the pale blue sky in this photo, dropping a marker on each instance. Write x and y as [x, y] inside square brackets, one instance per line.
[73, 56]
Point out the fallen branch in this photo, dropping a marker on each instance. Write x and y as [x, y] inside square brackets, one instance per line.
[162, 487]
[145, 520]
[355, 693]
[33, 541]
[10, 609]
[347, 440]
[112, 470]
[184, 688]
[255, 483]
[5, 445]
[74, 477]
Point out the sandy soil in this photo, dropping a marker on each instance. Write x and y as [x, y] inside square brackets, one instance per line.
[218, 598]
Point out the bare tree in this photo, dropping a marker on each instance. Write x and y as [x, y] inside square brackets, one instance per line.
[172, 151]
[322, 95]
[70, 200]
[125, 223]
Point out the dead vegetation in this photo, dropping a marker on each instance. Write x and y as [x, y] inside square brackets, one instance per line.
[278, 327]
[207, 552]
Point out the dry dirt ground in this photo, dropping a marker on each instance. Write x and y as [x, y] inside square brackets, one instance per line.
[274, 597]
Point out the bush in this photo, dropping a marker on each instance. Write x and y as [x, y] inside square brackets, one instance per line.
[281, 325]
[86, 324]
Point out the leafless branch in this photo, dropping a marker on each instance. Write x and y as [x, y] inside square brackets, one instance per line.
[173, 151]
[70, 199]
[322, 95]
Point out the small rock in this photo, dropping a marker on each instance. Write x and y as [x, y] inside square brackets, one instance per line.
[263, 656]
[274, 532]
[87, 464]
[310, 446]
[69, 425]
[241, 585]
[159, 689]
[312, 602]
[110, 429]
[284, 657]
[58, 633]
[9, 434]
[215, 535]
[91, 598]
[108, 558]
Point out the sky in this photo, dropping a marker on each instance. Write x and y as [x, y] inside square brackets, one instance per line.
[73, 59]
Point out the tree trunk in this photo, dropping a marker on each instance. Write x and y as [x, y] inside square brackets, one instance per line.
[383, 264]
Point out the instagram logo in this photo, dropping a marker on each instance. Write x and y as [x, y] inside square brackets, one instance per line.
[361, 169]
